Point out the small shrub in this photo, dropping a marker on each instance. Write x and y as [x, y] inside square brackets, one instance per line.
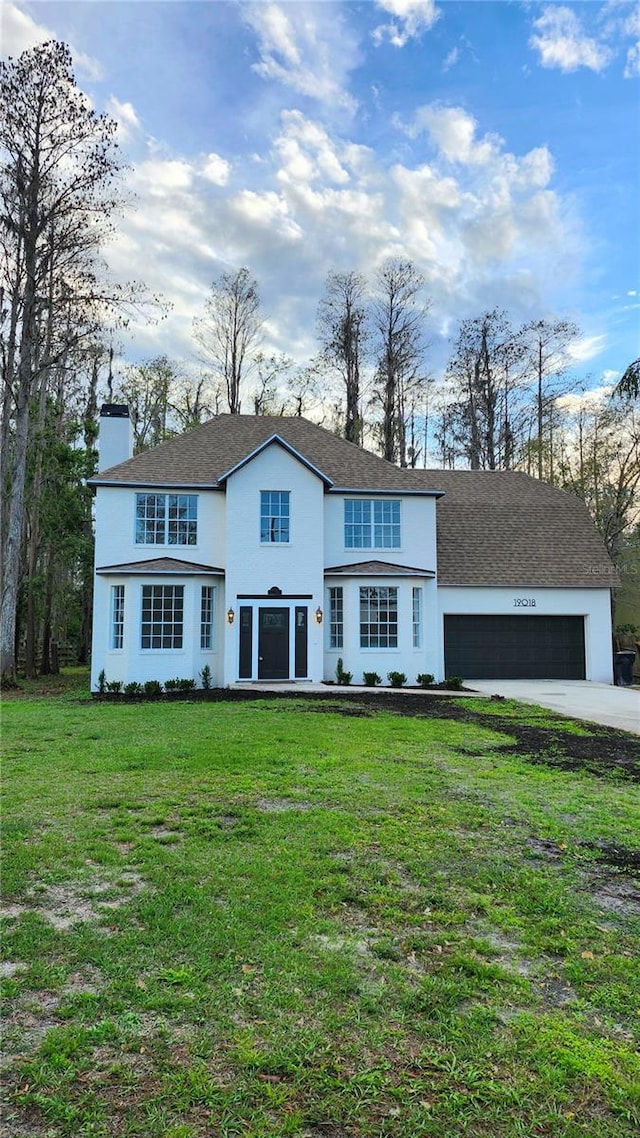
[371, 679]
[179, 684]
[205, 677]
[152, 688]
[343, 678]
[396, 679]
[133, 688]
[425, 679]
[454, 683]
[114, 685]
[102, 682]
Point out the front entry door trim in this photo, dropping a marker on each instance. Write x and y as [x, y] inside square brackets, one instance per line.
[277, 632]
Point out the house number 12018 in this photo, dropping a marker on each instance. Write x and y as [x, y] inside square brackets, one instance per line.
[524, 602]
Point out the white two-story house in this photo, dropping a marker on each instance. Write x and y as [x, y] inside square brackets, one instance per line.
[267, 548]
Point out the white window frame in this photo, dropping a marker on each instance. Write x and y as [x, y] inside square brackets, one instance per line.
[207, 618]
[377, 601]
[117, 618]
[372, 523]
[166, 519]
[416, 609]
[166, 605]
[275, 517]
[336, 616]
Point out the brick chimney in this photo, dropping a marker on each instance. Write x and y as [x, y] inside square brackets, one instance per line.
[115, 439]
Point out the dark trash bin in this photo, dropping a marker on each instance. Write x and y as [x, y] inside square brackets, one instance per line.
[623, 668]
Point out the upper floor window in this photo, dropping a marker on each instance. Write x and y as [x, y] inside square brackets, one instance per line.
[274, 516]
[371, 524]
[166, 519]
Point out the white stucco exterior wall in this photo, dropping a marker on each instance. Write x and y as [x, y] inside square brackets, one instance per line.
[593, 604]
[116, 545]
[132, 662]
[295, 567]
[417, 532]
[116, 522]
[404, 658]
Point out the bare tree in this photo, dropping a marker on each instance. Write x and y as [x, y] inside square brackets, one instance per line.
[546, 346]
[342, 331]
[230, 330]
[399, 311]
[483, 372]
[146, 389]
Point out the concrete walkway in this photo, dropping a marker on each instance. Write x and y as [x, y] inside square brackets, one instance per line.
[597, 703]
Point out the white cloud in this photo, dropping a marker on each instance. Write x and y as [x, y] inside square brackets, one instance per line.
[562, 42]
[21, 32]
[632, 67]
[411, 19]
[482, 224]
[592, 399]
[125, 116]
[451, 59]
[586, 348]
[306, 47]
[453, 131]
[216, 169]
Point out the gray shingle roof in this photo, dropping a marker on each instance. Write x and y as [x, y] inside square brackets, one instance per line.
[505, 528]
[378, 569]
[162, 565]
[494, 527]
[203, 456]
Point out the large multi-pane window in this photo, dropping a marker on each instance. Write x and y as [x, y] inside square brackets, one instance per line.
[117, 616]
[162, 616]
[378, 616]
[336, 618]
[371, 524]
[207, 612]
[417, 618]
[274, 516]
[166, 519]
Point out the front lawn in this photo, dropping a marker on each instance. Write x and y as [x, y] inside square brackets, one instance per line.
[313, 918]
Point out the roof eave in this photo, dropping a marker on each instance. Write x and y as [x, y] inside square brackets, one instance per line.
[146, 484]
[387, 490]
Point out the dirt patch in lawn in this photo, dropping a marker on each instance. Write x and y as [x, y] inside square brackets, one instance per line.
[598, 750]
[74, 902]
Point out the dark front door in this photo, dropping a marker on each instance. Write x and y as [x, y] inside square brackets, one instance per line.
[273, 644]
[514, 647]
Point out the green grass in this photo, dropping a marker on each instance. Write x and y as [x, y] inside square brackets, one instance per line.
[265, 919]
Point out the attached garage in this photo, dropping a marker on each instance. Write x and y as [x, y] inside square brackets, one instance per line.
[524, 579]
[523, 647]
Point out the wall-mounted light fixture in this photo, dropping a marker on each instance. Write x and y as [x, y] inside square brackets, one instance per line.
[231, 616]
[319, 615]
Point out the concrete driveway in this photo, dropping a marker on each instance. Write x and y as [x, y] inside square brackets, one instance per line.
[598, 703]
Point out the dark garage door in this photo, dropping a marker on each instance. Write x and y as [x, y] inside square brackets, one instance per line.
[514, 647]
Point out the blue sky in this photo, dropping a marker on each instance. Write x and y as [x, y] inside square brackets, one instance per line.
[494, 144]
